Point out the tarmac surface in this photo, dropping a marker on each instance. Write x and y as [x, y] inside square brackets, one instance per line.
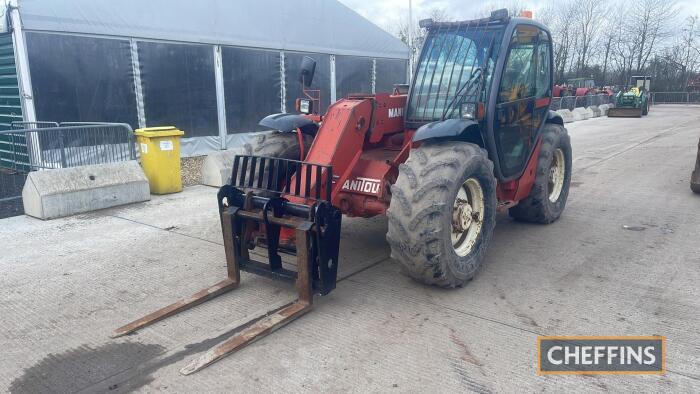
[624, 259]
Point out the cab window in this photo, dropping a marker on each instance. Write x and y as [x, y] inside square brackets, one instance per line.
[517, 118]
[518, 80]
[544, 79]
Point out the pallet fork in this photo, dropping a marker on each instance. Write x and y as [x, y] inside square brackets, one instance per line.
[316, 228]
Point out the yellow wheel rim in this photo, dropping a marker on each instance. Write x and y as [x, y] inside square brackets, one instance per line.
[557, 169]
[467, 216]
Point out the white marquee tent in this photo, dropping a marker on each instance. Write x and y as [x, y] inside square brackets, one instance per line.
[213, 68]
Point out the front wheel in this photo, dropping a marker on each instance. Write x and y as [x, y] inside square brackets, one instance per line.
[548, 196]
[277, 145]
[442, 212]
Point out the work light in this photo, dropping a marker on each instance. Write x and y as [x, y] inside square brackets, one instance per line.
[305, 106]
[467, 111]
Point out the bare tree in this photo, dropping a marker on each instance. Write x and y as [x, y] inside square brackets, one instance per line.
[514, 7]
[608, 40]
[588, 21]
[557, 18]
[609, 36]
[652, 21]
[625, 49]
[436, 14]
[683, 57]
[690, 50]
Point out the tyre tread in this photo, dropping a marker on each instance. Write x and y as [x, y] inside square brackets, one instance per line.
[416, 235]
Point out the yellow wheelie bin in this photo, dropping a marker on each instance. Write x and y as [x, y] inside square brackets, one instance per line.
[160, 158]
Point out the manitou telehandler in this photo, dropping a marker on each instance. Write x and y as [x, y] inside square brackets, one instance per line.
[470, 136]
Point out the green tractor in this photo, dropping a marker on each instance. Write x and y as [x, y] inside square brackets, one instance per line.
[632, 102]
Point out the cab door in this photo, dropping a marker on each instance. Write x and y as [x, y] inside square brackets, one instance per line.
[523, 99]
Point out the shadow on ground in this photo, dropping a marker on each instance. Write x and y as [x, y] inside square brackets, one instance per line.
[78, 369]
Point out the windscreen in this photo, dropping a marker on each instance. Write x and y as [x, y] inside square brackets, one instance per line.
[447, 69]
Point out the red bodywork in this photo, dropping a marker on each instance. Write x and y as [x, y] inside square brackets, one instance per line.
[363, 138]
[562, 91]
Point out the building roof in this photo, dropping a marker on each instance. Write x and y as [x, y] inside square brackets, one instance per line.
[322, 26]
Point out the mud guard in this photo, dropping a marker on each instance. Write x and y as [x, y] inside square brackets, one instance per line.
[289, 122]
[443, 128]
[553, 117]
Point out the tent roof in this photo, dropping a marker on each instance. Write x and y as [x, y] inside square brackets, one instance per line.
[323, 26]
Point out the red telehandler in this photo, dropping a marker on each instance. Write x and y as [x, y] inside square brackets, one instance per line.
[472, 135]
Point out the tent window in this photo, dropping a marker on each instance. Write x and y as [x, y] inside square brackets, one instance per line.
[252, 87]
[390, 72]
[179, 87]
[353, 75]
[81, 79]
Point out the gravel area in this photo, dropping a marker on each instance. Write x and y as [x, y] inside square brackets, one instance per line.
[191, 168]
[11, 184]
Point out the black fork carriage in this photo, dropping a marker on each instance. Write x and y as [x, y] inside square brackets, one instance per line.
[316, 226]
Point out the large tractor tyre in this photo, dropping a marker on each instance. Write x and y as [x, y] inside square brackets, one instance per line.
[548, 196]
[442, 212]
[645, 109]
[279, 145]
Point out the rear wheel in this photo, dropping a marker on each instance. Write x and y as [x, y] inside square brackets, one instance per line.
[548, 196]
[442, 212]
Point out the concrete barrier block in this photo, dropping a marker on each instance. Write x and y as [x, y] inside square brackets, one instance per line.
[579, 114]
[566, 115]
[603, 109]
[595, 111]
[50, 194]
[217, 167]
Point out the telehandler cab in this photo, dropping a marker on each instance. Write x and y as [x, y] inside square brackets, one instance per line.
[472, 135]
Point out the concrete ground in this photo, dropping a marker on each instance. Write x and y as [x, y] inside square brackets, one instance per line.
[67, 283]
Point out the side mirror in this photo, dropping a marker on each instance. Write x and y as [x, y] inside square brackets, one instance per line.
[306, 74]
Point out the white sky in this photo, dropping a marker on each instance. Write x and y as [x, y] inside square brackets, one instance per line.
[387, 13]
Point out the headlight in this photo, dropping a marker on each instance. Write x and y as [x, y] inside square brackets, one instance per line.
[467, 111]
[305, 106]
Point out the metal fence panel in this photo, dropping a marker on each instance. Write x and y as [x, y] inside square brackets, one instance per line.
[68, 145]
[675, 97]
[14, 152]
[44, 145]
[556, 104]
[571, 102]
[568, 102]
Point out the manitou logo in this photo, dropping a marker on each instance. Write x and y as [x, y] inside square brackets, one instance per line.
[364, 185]
[395, 112]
